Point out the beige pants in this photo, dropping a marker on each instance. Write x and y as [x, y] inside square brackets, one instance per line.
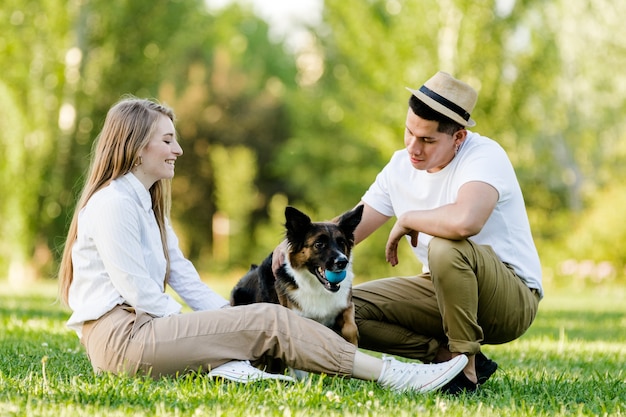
[469, 298]
[126, 341]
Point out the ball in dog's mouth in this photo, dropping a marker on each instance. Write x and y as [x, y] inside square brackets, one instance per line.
[329, 279]
[335, 277]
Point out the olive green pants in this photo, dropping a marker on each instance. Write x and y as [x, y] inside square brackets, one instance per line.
[469, 298]
[131, 342]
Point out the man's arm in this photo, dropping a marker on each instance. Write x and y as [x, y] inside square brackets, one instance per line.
[370, 222]
[460, 220]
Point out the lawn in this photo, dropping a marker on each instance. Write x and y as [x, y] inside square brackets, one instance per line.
[571, 362]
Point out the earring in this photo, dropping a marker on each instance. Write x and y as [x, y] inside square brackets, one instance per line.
[139, 163]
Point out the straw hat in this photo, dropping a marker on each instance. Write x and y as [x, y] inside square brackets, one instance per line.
[448, 96]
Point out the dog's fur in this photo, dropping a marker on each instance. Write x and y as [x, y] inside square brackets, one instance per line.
[300, 283]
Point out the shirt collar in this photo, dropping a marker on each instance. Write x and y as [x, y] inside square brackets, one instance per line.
[132, 183]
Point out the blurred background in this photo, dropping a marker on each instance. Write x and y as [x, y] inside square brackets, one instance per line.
[302, 103]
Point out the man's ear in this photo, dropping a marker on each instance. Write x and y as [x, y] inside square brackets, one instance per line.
[459, 136]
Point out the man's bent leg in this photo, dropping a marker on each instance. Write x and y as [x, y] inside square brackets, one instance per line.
[399, 316]
[481, 299]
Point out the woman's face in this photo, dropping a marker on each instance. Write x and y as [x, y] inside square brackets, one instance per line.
[159, 155]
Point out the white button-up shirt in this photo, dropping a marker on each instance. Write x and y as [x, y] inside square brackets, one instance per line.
[118, 258]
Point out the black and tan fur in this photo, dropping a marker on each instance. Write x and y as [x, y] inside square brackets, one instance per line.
[300, 283]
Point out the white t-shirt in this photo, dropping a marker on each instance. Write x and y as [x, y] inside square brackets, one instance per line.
[399, 188]
[118, 258]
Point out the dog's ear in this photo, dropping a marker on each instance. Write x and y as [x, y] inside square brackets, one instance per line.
[350, 220]
[297, 223]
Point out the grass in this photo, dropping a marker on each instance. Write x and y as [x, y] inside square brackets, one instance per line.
[571, 362]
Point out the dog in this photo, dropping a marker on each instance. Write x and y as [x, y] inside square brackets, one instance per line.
[310, 281]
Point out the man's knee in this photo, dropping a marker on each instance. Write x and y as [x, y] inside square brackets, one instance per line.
[442, 252]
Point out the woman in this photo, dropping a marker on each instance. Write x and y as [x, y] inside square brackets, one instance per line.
[121, 252]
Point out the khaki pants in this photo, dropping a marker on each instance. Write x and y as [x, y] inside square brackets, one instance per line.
[469, 298]
[129, 342]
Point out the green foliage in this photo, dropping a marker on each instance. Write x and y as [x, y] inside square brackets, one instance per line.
[320, 123]
[222, 75]
[31, 89]
[11, 126]
[568, 363]
[596, 232]
[542, 95]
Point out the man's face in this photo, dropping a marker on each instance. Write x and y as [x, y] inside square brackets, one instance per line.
[429, 149]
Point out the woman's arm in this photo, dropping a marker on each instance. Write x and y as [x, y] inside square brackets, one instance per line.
[185, 280]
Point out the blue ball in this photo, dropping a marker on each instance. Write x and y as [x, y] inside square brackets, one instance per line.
[335, 277]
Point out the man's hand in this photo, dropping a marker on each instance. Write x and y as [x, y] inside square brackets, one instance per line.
[397, 233]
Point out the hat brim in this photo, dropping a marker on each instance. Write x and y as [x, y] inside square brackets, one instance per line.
[440, 108]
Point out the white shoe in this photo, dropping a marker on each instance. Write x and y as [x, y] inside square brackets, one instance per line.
[242, 371]
[403, 376]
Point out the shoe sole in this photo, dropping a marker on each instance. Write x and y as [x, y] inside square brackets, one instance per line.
[244, 379]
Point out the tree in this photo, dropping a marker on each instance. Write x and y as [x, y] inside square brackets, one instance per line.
[310, 130]
[544, 94]
[32, 87]
[73, 61]
[229, 90]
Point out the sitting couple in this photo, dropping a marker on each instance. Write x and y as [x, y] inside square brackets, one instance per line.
[453, 193]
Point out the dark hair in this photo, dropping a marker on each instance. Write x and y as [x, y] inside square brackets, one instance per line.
[446, 125]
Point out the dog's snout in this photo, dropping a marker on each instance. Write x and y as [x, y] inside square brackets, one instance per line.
[340, 263]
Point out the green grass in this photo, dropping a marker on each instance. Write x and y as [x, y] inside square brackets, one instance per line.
[570, 362]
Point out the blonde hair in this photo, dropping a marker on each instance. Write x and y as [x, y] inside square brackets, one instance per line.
[127, 129]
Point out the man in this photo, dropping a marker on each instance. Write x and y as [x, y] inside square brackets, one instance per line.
[456, 198]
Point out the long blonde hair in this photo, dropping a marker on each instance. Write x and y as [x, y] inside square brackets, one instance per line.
[127, 129]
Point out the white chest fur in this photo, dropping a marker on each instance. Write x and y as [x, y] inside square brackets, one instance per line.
[315, 301]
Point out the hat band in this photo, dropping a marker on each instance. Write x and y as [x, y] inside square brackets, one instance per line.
[445, 102]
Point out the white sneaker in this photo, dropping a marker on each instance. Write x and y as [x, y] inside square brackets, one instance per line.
[403, 376]
[242, 371]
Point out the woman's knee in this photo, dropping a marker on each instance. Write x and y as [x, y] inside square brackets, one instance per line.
[269, 315]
